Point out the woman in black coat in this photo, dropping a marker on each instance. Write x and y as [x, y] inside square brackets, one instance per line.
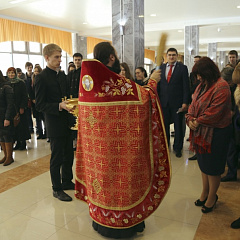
[7, 113]
[20, 101]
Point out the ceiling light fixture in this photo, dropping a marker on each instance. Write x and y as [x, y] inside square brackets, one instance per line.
[153, 15]
[180, 30]
[84, 23]
[16, 1]
[238, 6]
[141, 16]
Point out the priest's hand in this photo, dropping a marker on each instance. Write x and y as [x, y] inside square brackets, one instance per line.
[156, 75]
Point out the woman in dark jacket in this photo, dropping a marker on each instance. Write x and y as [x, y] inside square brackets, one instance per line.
[6, 120]
[20, 101]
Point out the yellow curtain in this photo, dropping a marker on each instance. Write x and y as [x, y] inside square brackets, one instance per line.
[16, 31]
[91, 42]
[150, 54]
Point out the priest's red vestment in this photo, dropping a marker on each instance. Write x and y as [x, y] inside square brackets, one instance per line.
[122, 159]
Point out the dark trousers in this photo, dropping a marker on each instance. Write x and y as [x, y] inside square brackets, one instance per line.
[171, 116]
[232, 158]
[39, 125]
[29, 118]
[61, 161]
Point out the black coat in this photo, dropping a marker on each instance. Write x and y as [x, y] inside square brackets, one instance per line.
[50, 88]
[73, 82]
[20, 101]
[7, 111]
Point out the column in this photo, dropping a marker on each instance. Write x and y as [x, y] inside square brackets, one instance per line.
[128, 31]
[79, 44]
[222, 60]
[212, 51]
[191, 47]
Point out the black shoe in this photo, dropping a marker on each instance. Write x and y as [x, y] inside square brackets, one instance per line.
[228, 179]
[40, 137]
[23, 145]
[187, 139]
[44, 136]
[236, 224]
[62, 196]
[178, 154]
[209, 209]
[200, 203]
[68, 186]
[17, 146]
[48, 140]
[194, 157]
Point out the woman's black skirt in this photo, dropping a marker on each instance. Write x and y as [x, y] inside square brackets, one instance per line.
[214, 163]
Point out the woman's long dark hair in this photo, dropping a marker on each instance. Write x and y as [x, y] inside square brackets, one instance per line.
[127, 70]
[143, 70]
[207, 69]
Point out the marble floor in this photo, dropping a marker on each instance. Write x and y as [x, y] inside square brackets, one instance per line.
[28, 211]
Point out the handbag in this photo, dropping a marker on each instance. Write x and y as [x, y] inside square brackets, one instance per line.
[16, 120]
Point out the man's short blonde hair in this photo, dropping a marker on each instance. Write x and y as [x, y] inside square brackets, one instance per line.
[50, 49]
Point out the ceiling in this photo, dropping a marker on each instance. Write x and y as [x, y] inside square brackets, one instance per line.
[218, 20]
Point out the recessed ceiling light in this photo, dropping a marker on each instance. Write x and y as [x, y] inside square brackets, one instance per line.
[238, 6]
[141, 16]
[85, 23]
[153, 15]
[180, 30]
[16, 1]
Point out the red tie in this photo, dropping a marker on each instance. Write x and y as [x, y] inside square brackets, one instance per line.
[169, 73]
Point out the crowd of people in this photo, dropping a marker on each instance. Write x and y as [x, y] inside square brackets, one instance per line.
[197, 100]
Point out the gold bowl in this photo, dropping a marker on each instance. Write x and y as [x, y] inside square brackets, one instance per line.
[72, 103]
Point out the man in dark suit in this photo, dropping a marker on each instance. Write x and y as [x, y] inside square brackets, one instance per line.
[74, 75]
[173, 91]
[50, 87]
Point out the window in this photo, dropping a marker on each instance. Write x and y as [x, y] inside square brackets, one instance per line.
[36, 59]
[7, 57]
[17, 53]
[19, 61]
[19, 46]
[34, 47]
[5, 47]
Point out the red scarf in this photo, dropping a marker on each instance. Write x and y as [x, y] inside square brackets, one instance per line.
[212, 109]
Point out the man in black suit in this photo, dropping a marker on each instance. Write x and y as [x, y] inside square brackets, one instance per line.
[50, 87]
[173, 91]
[74, 75]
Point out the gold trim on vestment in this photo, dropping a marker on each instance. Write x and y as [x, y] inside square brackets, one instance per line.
[114, 103]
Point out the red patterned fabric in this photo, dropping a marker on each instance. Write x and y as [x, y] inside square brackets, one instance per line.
[212, 109]
[122, 166]
[169, 73]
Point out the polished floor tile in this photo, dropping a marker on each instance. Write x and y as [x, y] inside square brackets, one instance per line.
[179, 207]
[55, 212]
[28, 210]
[25, 228]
